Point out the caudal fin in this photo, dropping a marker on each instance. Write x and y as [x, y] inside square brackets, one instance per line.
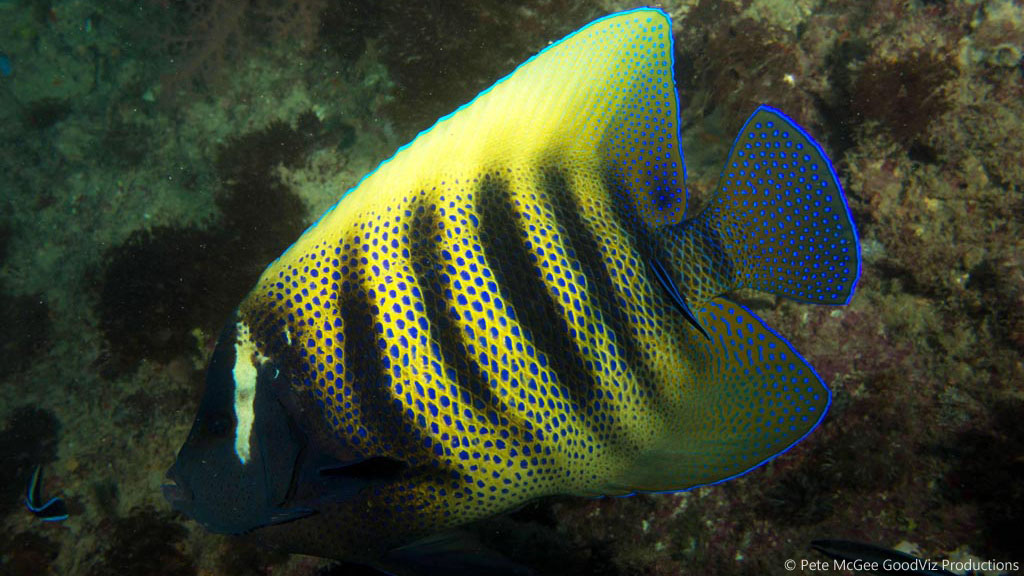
[779, 217]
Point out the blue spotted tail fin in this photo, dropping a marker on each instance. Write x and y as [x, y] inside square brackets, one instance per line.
[779, 222]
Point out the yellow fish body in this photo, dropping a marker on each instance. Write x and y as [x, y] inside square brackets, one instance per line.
[514, 306]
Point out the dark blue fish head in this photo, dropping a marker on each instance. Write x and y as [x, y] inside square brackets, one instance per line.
[235, 469]
[255, 456]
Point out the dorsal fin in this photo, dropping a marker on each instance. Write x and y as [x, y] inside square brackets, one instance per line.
[602, 99]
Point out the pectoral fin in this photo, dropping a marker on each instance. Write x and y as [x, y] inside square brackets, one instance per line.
[670, 287]
[455, 553]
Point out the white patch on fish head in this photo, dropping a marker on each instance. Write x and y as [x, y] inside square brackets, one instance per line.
[245, 372]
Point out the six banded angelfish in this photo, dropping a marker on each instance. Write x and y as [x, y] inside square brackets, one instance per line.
[515, 306]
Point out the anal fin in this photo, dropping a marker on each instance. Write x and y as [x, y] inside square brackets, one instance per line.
[754, 398]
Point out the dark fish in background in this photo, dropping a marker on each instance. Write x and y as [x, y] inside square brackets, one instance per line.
[879, 556]
[53, 510]
[513, 306]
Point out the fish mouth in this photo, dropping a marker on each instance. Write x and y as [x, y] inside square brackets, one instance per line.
[177, 494]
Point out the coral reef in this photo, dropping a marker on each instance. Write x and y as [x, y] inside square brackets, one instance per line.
[242, 558]
[143, 543]
[29, 439]
[729, 60]
[432, 51]
[206, 38]
[905, 95]
[984, 477]
[32, 317]
[148, 304]
[27, 312]
[157, 287]
[27, 554]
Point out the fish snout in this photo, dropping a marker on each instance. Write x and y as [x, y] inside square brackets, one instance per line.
[176, 492]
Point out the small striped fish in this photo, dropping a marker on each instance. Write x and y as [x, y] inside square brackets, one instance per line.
[514, 306]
